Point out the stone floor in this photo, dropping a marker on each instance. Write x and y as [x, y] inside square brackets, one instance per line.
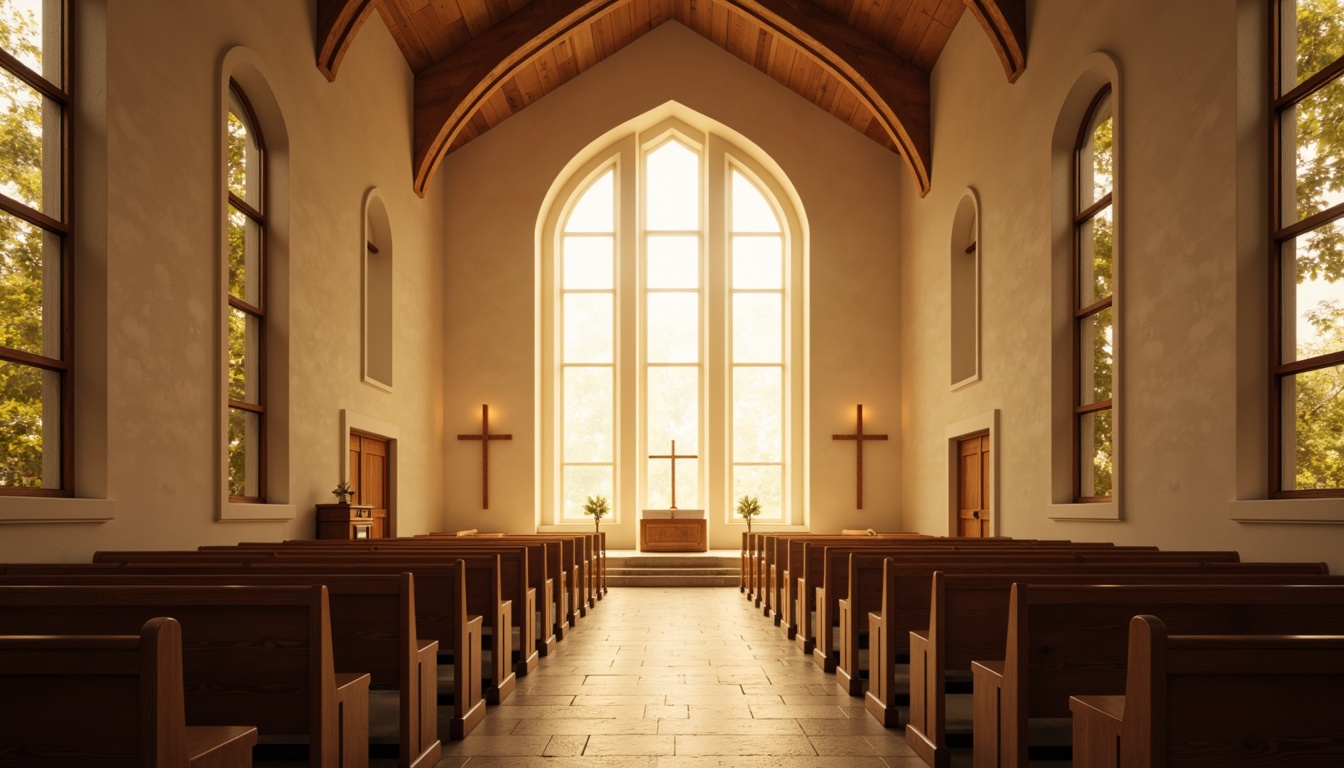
[678, 678]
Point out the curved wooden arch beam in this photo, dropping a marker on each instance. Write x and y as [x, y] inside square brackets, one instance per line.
[896, 90]
[1005, 21]
[448, 93]
[337, 23]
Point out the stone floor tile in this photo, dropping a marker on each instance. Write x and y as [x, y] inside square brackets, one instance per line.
[630, 745]
[562, 727]
[744, 745]
[566, 746]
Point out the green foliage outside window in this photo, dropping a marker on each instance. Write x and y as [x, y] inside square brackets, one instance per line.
[22, 261]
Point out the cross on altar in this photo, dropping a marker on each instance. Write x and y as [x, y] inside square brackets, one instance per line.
[673, 456]
[858, 438]
[485, 437]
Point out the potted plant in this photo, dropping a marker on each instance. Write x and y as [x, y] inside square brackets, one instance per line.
[597, 507]
[747, 508]
[343, 492]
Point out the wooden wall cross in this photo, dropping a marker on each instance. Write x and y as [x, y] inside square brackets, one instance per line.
[858, 438]
[673, 456]
[485, 437]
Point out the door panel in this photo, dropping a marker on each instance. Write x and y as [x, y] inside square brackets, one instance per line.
[369, 477]
[973, 512]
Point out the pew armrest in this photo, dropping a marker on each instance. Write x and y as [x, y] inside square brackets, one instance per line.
[423, 741]
[986, 711]
[1096, 730]
[352, 707]
[220, 746]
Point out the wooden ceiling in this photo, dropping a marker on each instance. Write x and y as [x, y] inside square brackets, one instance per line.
[478, 62]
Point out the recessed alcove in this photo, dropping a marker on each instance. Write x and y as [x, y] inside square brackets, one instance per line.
[964, 262]
[377, 267]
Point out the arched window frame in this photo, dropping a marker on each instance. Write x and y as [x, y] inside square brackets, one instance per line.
[1090, 308]
[245, 71]
[720, 157]
[1285, 229]
[252, 309]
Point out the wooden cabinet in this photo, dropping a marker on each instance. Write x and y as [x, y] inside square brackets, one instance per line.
[346, 521]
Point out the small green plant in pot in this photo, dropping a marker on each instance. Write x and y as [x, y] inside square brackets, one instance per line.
[598, 508]
[343, 492]
[747, 508]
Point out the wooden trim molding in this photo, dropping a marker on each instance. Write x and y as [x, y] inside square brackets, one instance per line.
[1005, 22]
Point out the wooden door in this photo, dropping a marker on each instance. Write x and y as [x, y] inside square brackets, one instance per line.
[973, 512]
[369, 478]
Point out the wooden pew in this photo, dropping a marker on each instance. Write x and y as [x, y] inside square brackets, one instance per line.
[1072, 640]
[968, 617]
[372, 627]
[255, 654]
[77, 701]
[576, 565]
[522, 578]
[435, 581]
[1181, 705]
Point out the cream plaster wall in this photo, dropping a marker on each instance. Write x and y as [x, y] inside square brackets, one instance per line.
[162, 259]
[1186, 151]
[495, 188]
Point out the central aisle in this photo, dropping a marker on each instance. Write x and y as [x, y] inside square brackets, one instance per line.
[679, 678]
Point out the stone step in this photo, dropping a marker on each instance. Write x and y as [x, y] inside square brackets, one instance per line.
[673, 570]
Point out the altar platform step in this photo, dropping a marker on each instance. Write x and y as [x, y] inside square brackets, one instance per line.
[698, 569]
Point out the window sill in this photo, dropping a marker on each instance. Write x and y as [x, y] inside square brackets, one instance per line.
[48, 509]
[1317, 511]
[232, 512]
[1100, 511]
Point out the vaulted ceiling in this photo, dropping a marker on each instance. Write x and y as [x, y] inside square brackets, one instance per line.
[478, 62]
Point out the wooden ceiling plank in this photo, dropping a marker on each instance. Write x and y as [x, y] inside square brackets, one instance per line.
[477, 16]
[433, 32]
[529, 82]
[1005, 21]
[889, 26]
[450, 90]
[895, 89]
[338, 21]
[499, 10]
[830, 86]
[765, 48]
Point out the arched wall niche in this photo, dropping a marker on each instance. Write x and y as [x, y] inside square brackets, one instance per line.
[964, 259]
[377, 259]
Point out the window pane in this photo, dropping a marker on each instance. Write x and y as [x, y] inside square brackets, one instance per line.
[673, 192]
[30, 157]
[1095, 258]
[1313, 153]
[1094, 432]
[751, 211]
[244, 357]
[758, 414]
[30, 427]
[674, 261]
[673, 398]
[582, 482]
[244, 155]
[1096, 155]
[766, 483]
[758, 328]
[1096, 357]
[34, 28]
[595, 210]
[588, 414]
[30, 288]
[1316, 433]
[1313, 293]
[1313, 36]
[758, 262]
[244, 257]
[588, 263]
[588, 328]
[674, 327]
[660, 482]
[244, 453]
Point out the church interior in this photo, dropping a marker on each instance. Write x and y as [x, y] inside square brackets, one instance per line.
[1025, 269]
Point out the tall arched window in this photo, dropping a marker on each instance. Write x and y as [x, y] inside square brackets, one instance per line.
[1307, 250]
[673, 270]
[245, 314]
[1093, 317]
